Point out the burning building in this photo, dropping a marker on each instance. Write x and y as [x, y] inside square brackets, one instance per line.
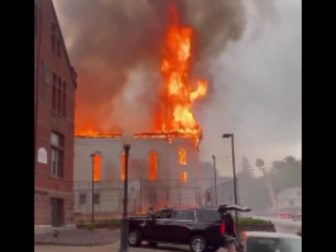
[163, 163]
[163, 171]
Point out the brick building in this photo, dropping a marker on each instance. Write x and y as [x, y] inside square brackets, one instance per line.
[55, 87]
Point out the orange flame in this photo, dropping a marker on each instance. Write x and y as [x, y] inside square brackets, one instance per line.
[182, 156]
[179, 92]
[96, 167]
[175, 115]
[183, 177]
[123, 166]
[153, 169]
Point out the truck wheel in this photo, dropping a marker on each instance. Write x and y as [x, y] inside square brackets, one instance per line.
[134, 238]
[198, 244]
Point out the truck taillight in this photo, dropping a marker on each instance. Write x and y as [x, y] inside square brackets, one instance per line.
[222, 229]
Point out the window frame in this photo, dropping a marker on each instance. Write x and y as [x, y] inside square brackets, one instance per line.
[58, 149]
[96, 198]
[53, 37]
[81, 197]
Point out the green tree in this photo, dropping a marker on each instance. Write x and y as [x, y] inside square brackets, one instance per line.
[246, 171]
[286, 173]
[252, 190]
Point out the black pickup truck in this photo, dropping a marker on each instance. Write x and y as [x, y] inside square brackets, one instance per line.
[201, 229]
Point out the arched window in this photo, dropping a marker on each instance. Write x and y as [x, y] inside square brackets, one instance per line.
[182, 155]
[152, 165]
[123, 160]
[183, 177]
[96, 166]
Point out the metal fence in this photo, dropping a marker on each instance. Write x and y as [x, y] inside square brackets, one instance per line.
[104, 198]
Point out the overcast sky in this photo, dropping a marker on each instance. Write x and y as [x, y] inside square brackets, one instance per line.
[258, 92]
[257, 88]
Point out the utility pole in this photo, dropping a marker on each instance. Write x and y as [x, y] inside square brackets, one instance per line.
[231, 135]
[215, 179]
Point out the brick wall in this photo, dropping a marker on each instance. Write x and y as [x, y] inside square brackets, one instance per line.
[46, 120]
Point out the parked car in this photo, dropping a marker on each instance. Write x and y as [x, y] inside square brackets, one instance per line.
[270, 242]
[201, 229]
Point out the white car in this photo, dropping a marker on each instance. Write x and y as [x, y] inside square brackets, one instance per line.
[270, 242]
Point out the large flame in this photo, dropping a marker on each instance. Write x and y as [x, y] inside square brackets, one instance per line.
[174, 116]
[179, 92]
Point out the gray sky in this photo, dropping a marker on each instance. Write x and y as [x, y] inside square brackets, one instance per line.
[257, 87]
[258, 92]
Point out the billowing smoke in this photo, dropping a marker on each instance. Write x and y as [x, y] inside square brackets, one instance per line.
[115, 46]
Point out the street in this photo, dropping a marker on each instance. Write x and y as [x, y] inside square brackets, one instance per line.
[281, 225]
[110, 248]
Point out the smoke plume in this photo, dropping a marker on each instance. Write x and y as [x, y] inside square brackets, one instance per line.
[115, 46]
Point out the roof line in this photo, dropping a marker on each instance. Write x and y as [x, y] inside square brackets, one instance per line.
[72, 69]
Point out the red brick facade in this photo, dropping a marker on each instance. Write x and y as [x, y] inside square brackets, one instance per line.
[55, 83]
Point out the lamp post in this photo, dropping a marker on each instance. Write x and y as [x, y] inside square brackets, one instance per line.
[126, 142]
[234, 174]
[215, 178]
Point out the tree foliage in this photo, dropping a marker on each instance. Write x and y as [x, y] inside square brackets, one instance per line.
[286, 173]
[252, 190]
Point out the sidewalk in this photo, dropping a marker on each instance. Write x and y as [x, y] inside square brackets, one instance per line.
[106, 248]
[78, 237]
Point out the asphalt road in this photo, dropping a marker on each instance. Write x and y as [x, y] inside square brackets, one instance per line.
[111, 248]
[283, 226]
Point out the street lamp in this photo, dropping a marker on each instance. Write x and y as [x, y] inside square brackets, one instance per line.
[126, 140]
[215, 174]
[234, 174]
[93, 155]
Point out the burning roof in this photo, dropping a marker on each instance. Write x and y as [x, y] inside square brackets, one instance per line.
[174, 115]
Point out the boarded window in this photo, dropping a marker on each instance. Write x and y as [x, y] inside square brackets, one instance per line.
[96, 198]
[152, 165]
[59, 96]
[45, 81]
[54, 91]
[82, 199]
[64, 99]
[53, 38]
[59, 48]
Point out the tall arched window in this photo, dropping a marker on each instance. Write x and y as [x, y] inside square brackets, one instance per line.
[96, 162]
[122, 170]
[152, 165]
[183, 177]
[182, 155]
